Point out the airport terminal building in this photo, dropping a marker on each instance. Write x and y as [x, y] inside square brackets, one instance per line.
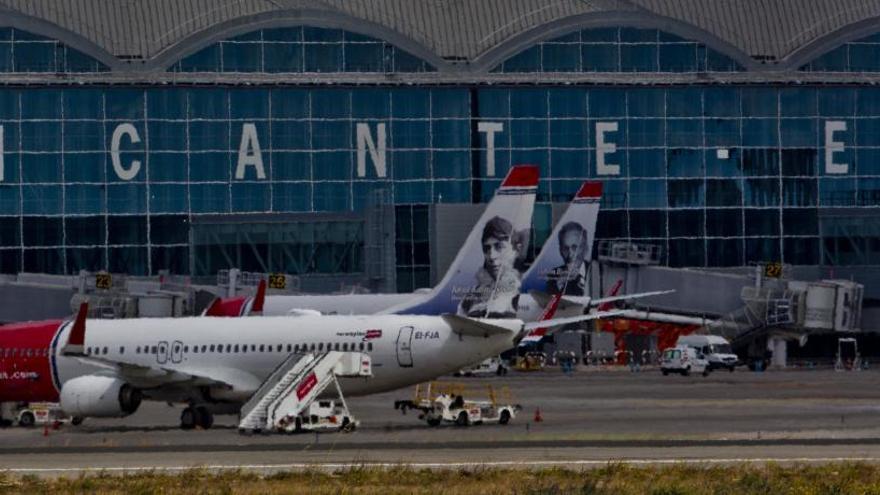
[335, 137]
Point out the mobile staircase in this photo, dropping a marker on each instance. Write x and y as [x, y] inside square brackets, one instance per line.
[289, 391]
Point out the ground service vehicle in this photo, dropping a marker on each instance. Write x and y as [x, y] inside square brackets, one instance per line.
[27, 414]
[716, 349]
[328, 415]
[491, 366]
[446, 403]
[684, 360]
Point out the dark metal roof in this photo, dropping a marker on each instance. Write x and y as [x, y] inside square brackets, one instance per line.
[478, 32]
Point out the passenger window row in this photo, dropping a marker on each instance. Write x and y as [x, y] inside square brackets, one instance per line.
[245, 348]
[17, 352]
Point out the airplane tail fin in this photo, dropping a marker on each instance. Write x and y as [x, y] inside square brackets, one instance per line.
[537, 334]
[569, 248]
[605, 306]
[484, 278]
[76, 340]
[239, 305]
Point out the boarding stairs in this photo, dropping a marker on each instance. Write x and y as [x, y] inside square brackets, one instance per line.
[765, 308]
[297, 382]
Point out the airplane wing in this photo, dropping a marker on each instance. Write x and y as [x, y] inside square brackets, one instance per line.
[571, 319]
[543, 299]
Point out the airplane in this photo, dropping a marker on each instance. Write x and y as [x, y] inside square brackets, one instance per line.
[106, 368]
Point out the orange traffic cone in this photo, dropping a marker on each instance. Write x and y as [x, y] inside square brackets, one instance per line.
[538, 416]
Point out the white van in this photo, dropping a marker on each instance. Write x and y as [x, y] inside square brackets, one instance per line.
[716, 350]
[684, 360]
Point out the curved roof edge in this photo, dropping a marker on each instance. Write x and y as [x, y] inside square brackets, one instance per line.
[831, 41]
[555, 29]
[35, 25]
[293, 17]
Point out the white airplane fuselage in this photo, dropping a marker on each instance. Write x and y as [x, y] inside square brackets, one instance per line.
[405, 350]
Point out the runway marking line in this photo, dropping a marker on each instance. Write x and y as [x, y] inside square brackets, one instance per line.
[445, 465]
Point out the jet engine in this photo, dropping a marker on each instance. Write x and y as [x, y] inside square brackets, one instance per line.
[99, 396]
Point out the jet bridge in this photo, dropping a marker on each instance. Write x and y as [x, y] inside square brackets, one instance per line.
[295, 384]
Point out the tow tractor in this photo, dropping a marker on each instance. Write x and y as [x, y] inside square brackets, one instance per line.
[446, 403]
[27, 414]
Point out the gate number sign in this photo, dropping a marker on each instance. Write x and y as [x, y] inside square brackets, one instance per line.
[103, 281]
[277, 281]
[773, 270]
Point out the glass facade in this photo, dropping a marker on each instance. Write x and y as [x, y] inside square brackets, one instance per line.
[117, 177]
[21, 51]
[862, 55]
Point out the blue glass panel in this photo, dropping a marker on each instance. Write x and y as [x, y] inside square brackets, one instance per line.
[333, 135]
[404, 62]
[452, 191]
[329, 104]
[868, 101]
[864, 57]
[723, 167]
[290, 103]
[722, 102]
[600, 58]
[528, 103]
[762, 222]
[130, 260]
[761, 192]
[410, 103]
[10, 168]
[412, 192]
[450, 134]
[799, 192]
[685, 102]
[607, 103]
[37, 56]
[868, 192]
[242, 57]
[538, 157]
[686, 193]
[323, 57]
[797, 102]
[799, 132]
[124, 104]
[84, 167]
[568, 133]
[10, 107]
[168, 167]
[724, 252]
[165, 136]
[250, 197]
[291, 135]
[687, 223]
[291, 165]
[638, 58]
[317, 35]
[687, 252]
[209, 166]
[837, 102]
[758, 162]
[332, 196]
[84, 136]
[646, 132]
[647, 163]
[451, 164]
[868, 161]
[208, 103]
[41, 200]
[41, 104]
[647, 193]
[83, 104]
[248, 104]
[371, 103]
[291, 197]
[634, 35]
[759, 102]
[209, 198]
[567, 102]
[494, 103]
[84, 199]
[208, 135]
[76, 61]
[10, 202]
[570, 163]
[722, 132]
[253, 36]
[557, 57]
[6, 58]
[684, 132]
[44, 167]
[41, 136]
[799, 221]
[600, 35]
[367, 57]
[684, 162]
[126, 198]
[837, 60]
[723, 192]
[528, 133]
[678, 57]
[205, 60]
[283, 57]
[647, 102]
[528, 60]
[837, 191]
[335, 166]
[410, 164]
[451, 103]
[760, 132]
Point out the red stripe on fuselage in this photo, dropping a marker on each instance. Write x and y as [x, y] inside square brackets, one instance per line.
[25, 361]
[227, 306]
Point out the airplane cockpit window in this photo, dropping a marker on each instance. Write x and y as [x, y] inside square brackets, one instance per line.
[345, 347]
[195, 349]
[262, 348]
[369, 346]
[212, 348]
[106, 350]
[361, 346]
[186, 349]
[122, 349]
[220, 348]
[244, 348]
[289, 348]
[228, 347]
[313, 347]
[320, 346]
[336, 346]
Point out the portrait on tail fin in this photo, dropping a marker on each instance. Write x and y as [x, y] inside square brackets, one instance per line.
[498, 280]
[570, 278]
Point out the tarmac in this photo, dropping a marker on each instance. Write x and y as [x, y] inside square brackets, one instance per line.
[587, 419]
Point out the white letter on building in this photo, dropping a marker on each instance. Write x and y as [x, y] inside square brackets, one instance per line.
[2, 154]
[249, 152]
[603, 148]
[490, 128]
[377, 153]
[132, 133]
[832, 146]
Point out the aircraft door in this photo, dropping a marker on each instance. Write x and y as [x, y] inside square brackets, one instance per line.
[404, 347]
[177, 351]
[162, 352]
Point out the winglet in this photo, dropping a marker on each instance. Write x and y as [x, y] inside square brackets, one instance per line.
[473, 327]
[77, 338]
[260, 298]
[522, 176]
[539, 333]
[613, 292]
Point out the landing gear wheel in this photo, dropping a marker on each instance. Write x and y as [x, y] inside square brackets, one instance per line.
[462, 419]
[188, 419]
[665, 372]
[27, 419]
[76, 420]
[347, 425]
[706, 372]
[204, 418]
[686, 372]
[298, 425]
[434, 420]
[730, 369]
[505, 417]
